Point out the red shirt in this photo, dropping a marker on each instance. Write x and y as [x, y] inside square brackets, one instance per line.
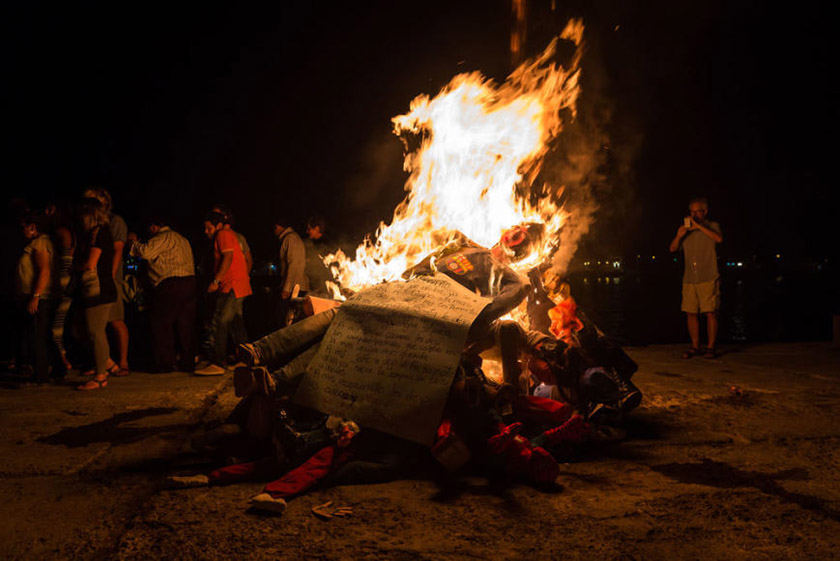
[236, 278]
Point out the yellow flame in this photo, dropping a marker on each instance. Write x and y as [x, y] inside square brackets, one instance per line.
[481, 147]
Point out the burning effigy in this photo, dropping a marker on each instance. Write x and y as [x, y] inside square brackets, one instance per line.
[452, 340]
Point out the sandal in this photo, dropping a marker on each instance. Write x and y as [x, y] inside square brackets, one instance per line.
[710, 353]
[93, 384]
[119, 371]
[692, 352]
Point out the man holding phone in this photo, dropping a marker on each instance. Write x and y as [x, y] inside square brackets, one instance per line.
[698, 238]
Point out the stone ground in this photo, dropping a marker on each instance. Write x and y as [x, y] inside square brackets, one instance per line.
[702, 474]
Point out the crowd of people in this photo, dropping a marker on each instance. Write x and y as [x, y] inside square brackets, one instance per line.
[71, 290]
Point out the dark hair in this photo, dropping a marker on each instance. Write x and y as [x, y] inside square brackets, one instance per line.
[214, 218]
[702, 200]
[316, 221]
[227, 215]
[158, 221]
[34, 217]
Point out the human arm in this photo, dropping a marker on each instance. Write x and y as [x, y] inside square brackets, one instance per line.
[675, 243]
[224, 266]
[42, 261]
[149, 250]
[115, 263]
[249, 262]
[296, 259]
[706, 228]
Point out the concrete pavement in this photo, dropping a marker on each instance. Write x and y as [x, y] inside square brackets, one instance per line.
[704, 473]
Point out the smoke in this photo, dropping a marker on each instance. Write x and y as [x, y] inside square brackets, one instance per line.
[591, 162]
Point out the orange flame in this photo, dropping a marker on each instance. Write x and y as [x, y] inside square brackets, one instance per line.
[481, 148]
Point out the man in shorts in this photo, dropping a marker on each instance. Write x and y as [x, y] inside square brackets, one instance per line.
[698, 238]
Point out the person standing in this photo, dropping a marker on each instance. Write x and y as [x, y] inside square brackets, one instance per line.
[230, 285]
[35, 289]
[698, 238]
[119, 233]
[315, 245]
[238, 331]
[172, 275]
[291, 263]
[94, 261]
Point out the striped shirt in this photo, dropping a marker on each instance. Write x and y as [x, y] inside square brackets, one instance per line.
[169, 255]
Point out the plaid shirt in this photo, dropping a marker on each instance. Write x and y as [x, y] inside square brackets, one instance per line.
[169, 255]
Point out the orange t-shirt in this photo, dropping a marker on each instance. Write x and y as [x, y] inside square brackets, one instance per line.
[236, 278]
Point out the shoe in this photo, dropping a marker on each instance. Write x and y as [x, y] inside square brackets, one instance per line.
[629, 396]
[692, 352]
[210, 370]
[249, 354]
[710, 353]
[186, 482]
[267, 503]
[257, 380]
[93, 384]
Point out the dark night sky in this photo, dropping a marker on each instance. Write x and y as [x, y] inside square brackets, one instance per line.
[286, 111]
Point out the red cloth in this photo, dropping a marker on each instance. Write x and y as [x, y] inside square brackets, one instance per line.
[541, 410]
[244, 472]
[294, 482]
[236, 278]
[573, 430]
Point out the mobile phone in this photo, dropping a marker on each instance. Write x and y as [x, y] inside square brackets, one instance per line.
[687, 222]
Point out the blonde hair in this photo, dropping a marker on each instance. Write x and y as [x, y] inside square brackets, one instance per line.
[92, 214]
[101, 194]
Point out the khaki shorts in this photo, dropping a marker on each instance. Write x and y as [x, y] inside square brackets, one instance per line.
[702, 298]
[118, 309]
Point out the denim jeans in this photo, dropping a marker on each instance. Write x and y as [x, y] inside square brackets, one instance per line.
[291, 348]
[227, 305]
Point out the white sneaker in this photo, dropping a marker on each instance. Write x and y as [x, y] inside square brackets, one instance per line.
[267, 503]
[210, 370]
[187, 481]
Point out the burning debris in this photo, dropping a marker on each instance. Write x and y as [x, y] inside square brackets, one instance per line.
[459, 280]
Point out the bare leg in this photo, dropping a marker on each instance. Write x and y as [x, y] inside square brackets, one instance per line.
[693, 322]
[712, 327]
[121, 333]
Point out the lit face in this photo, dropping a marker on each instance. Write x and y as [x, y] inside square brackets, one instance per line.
[154, 229]
[314, 232]
[210, 230]
[698, 212]
[278, 229]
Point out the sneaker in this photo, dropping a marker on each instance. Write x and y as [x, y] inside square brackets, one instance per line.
[186, 481]
[249, 354]
[267, 503]
[209, 370]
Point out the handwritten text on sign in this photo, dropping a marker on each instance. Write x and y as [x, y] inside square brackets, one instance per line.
[390, 355]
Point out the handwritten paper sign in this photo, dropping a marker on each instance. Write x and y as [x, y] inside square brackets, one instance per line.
[389, 357]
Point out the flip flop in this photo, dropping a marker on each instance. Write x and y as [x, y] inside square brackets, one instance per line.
[98, 385]
[120, 372]
[692, 352]
[710, 353]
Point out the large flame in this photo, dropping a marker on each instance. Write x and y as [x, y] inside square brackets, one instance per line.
[481, 147]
